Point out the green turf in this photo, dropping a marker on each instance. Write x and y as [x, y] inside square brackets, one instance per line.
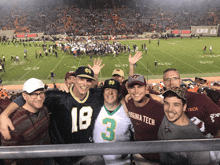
[186, 55]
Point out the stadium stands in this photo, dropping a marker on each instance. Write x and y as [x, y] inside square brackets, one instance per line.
[61, 18]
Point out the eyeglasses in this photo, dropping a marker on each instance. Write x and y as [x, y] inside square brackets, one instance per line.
[173, 78]
[34, 95]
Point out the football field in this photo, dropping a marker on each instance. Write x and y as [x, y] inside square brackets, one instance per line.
[186, 55]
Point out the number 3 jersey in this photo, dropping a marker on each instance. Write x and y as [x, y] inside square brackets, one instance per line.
[72, 120]
[113, 126]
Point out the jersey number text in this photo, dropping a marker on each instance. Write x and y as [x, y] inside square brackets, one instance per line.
[85, 114]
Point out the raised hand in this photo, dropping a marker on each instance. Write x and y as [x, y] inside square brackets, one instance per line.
[97, 66]
[135, 58]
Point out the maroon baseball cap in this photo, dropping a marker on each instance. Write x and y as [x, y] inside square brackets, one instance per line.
[136, 79]
[70, 73]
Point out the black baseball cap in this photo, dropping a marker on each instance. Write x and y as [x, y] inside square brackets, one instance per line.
[86, 72]
[112, 83]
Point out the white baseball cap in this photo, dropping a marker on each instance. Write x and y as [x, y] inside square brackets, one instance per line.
[32, 85]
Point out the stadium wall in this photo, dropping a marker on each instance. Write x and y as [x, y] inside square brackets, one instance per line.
[10, 34]
[7, 33]
[205, 30]
[28, 35]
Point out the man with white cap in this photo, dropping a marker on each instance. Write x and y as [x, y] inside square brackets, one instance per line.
[30, 121]
[73, 114]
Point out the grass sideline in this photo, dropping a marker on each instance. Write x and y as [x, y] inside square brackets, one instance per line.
[186, 55]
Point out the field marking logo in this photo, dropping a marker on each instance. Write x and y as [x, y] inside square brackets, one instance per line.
[123, 65]
[30, 68]
[205, 62]
[211, 56]
[166, 63]
[18, 63]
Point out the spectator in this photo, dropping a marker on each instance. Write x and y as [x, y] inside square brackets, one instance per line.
[141, 110]
[83, 98]
[120, 129]
[52, 75]
[118, 75]
[213, 95]
[200, 109]
[54, 86]
[3, 58]
[69, 78]
[45, 86]
[3, 66]
[1, 81]
[17, 58]
[176, 125]
[30, 121]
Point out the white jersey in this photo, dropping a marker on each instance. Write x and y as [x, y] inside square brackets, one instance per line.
[113, 127]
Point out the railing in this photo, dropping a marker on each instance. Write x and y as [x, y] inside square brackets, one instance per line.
[37, 151]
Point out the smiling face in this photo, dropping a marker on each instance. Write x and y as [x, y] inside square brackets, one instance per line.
[110, 96]
[70, 81]
[174, 109]
[35, 100]
[171, 79]
[82, 86]
[138, 92]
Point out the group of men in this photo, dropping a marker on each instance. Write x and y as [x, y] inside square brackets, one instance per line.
[85, 114]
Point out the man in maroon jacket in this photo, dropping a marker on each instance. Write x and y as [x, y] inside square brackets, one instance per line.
[200, 109]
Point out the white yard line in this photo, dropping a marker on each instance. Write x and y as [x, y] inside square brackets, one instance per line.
[30, 70]
[12, 65]
[186, 63]
[158, 59]
[79, 61]
[196, 57]
[122, 66]
[146, 67]
[56, 65]
[182, 61]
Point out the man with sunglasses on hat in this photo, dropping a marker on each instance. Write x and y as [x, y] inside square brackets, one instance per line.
[30, 122]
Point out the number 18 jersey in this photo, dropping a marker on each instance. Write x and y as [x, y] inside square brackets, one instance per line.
[72, 120]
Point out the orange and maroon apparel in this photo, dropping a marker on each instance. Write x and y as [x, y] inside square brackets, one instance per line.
[146, 121]
[30, 129]
[203, 112]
